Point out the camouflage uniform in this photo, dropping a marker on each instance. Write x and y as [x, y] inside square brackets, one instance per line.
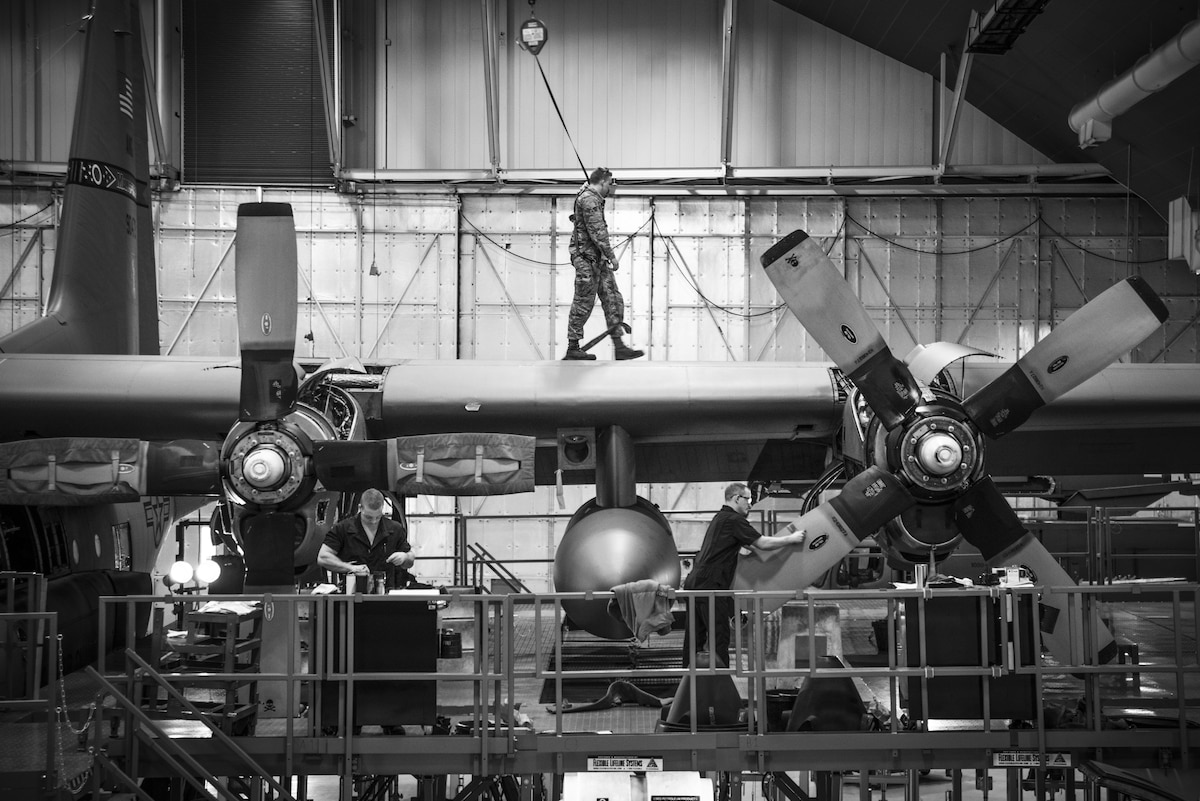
[589, 250]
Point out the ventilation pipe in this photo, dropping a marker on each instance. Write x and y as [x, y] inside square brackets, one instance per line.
[1092, 119]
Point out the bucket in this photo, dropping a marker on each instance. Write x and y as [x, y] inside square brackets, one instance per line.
[779, 707]
[450, 644]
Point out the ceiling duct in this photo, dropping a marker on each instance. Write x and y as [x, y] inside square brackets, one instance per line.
[1092, 119]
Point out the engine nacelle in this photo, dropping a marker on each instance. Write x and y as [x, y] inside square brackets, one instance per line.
[604, 547]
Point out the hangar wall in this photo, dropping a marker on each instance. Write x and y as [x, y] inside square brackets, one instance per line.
[640, 85]
[803, 94]
[487, 277]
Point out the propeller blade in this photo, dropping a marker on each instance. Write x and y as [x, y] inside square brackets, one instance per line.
[268, 541]
[432, 464]
[822, 301]
[832, 530]
[266, 309]
[1091, 339]
[989, 523]
[82, 471]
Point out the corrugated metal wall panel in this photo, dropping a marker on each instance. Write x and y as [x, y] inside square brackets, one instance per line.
[430, 113]
[982, 140]
[807, 96]
[42, 45]
[638, 84]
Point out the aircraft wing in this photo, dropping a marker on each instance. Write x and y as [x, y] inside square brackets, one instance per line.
[690, 421]
[1132, 418]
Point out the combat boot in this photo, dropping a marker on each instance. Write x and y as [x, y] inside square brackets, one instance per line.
[577, 354]
[622, 352]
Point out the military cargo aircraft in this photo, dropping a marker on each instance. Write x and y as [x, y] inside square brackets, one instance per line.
[99, 431]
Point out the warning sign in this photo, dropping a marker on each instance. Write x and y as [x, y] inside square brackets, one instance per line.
[1031, 759]
[625, 763]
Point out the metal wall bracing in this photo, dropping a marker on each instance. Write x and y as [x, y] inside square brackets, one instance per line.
[29, 220]
[377, 277]
[488, 277]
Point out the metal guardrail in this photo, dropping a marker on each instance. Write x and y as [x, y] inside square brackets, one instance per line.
[41, 644]
[495, 669]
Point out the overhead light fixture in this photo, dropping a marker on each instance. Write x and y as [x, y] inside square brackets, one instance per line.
[998, 30]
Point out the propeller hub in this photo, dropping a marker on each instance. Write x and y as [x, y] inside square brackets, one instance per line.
[264, 467]
[939, 454]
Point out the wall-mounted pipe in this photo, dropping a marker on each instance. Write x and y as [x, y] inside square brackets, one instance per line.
[1091, 119]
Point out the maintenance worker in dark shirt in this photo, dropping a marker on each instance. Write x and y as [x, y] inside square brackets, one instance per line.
[594, 262]
[728, 533]
[368, 543]
[363, 544]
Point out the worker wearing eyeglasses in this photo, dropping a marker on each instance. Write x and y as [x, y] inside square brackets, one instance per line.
[728, 533]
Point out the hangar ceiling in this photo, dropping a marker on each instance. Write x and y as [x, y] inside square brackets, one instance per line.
[1069, 52]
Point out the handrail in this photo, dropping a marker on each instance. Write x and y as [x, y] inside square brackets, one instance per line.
[162, 739]
[206, 720]
[495, 669]
[131, 784]
[485, 557]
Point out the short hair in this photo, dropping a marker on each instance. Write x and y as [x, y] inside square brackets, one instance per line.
[599, 174]
[734, 490]
[372, 500]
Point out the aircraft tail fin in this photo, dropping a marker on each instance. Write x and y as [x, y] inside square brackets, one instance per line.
[103, 295]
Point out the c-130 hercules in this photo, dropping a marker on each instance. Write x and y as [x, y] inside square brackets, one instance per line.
[97, 427]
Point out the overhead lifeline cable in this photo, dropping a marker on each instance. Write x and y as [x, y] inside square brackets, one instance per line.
[566, 130]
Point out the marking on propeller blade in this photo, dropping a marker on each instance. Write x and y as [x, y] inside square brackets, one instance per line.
[874, 488]
[818, 542]
[968, 511]
[901, 390]
[792, 260]
[1058, 364]
[999, 417]
[266, 325]
[848, 333]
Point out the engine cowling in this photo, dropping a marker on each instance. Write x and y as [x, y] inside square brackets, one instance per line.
[604, 547]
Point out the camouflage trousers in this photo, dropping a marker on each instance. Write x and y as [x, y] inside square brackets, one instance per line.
[593, 278]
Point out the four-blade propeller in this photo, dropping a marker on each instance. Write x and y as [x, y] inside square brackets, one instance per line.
[279, 452]
[937, 446]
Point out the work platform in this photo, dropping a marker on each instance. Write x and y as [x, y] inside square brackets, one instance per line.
[1141, 712]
